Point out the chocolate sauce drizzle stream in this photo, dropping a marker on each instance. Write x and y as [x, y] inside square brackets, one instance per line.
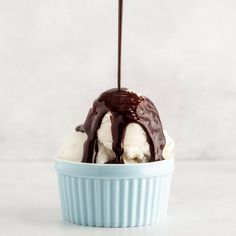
[120, 20]
[126, 107]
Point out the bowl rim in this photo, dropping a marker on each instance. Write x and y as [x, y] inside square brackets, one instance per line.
[134, 170]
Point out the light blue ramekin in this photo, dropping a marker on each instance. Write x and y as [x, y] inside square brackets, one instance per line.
[109, 195]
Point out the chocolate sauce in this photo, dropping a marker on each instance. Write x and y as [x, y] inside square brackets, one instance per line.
[120, 16]
[126, 107]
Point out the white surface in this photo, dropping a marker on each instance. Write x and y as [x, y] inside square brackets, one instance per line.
[202, 203]
[57, 56]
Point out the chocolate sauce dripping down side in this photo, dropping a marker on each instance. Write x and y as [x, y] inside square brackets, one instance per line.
[126, 107]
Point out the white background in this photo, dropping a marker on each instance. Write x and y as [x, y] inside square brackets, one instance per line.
[57, 56]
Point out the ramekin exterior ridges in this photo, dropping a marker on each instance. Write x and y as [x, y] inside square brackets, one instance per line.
[114, 202]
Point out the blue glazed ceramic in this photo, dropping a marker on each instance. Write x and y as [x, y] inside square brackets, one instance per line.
[109, 195]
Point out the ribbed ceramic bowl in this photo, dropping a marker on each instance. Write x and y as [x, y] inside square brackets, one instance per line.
[114, 195]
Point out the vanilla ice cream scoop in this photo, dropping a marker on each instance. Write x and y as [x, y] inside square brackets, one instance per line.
[136, 147]
[73, 147]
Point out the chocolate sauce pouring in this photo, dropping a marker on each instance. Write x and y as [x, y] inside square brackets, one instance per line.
[120, 20]
[126, 107]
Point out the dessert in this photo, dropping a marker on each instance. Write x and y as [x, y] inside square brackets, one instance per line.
[115, 169]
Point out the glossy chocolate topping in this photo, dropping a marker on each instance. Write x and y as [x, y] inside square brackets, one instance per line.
[126, 107]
